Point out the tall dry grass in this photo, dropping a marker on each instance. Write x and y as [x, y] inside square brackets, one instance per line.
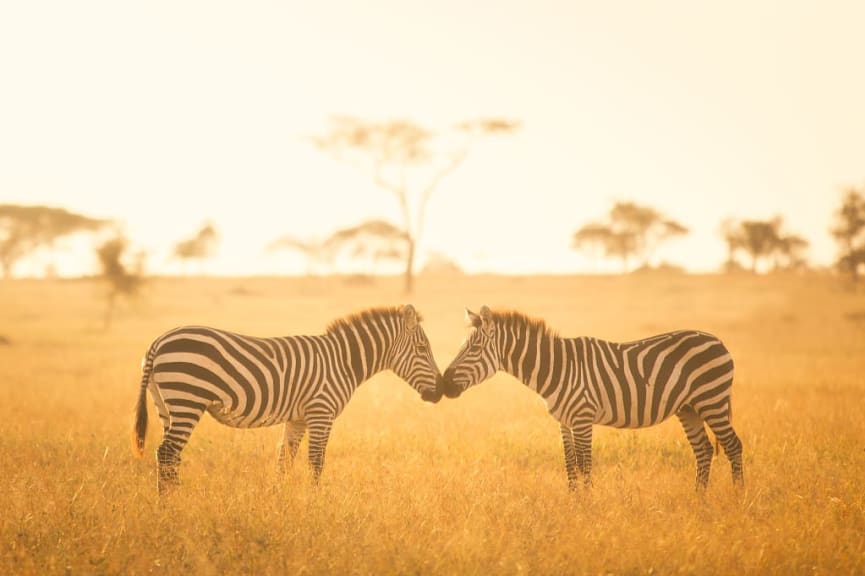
[472, 486]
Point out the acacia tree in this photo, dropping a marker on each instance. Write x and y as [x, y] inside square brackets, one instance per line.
[199, 247]
[122, 279]
[26, 229]
[763, 240]
[601, 237]
[759, 238]
[312, 250]
[791, 252]
[373, 241]
[631, 231]
[730, 232]
[848, 230]
[391, 150]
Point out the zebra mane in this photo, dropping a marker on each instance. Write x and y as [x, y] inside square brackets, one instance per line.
[368, 316]
[511, 319]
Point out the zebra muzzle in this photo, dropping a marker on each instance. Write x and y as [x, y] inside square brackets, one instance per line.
[431, 395]
[448, 387]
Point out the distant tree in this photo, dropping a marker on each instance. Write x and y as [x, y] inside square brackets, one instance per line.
[613, 244]
[732, 235]
[438, 264]
[631, 231]
[759, 239]
[763, 240]
[848, 229]
[374, 241]
[648, 227]
[25, 229]
[200, 247]
[790, 253]
[313, 251]
[122, 279]
[392, 149]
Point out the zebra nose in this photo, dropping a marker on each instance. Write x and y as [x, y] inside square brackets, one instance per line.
[433, 395]
[448, 387]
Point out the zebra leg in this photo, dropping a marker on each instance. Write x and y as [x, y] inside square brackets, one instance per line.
[570, 456]
[161, 408]
[319, 433]
[167, 462]
[718, 415]
[699, 440]
[182, 420]
[294, 430]
[583, 439]
[718, 419]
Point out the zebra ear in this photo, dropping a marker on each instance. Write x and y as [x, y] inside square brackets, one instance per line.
[409, 316]
[472, 319]
[487, 320]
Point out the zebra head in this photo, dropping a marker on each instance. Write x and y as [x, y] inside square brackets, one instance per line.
[411, 357]
[478, 358]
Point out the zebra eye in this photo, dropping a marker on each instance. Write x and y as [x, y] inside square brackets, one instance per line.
[420, 348]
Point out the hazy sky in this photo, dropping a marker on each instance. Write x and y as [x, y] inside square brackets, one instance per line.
[165, 115]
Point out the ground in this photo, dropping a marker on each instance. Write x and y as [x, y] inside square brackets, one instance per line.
[475, 485]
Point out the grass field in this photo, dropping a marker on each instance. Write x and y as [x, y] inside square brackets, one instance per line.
[469, 486]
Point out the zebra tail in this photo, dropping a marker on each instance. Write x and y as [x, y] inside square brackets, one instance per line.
[139, 429]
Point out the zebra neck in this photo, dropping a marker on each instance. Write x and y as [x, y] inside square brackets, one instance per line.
[359, 358]
[527, 356]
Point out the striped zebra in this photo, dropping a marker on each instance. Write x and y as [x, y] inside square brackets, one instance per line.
[301, 381]
[587, 381]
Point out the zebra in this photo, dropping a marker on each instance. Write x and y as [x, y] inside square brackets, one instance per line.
[587, 381]
[301, 381]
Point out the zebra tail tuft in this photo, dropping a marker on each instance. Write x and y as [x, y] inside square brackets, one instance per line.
[139, 429]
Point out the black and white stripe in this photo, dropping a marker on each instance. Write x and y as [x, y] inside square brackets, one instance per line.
[301, 381]
[587, 381]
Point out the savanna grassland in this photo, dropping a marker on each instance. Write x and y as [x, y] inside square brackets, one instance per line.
[469, 486]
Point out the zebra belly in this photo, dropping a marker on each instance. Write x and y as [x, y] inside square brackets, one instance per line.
[629, 425]
[636, 414]
[236, 419]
